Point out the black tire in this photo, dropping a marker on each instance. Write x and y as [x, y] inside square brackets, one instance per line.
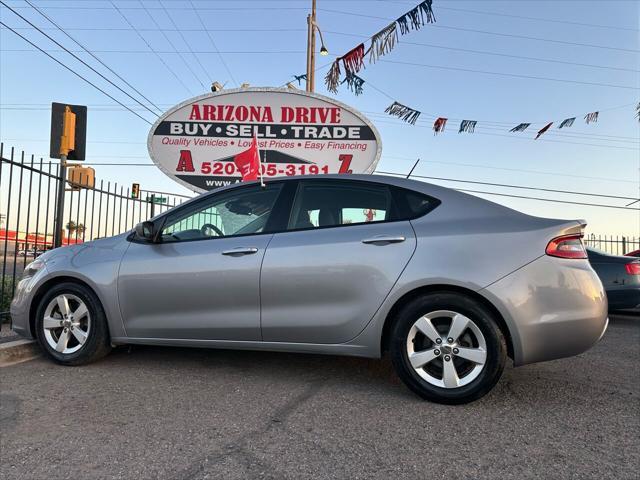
[484, 320]
[97, 343]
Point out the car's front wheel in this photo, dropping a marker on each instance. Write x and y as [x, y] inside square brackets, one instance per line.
[447, 348]
[71, 326]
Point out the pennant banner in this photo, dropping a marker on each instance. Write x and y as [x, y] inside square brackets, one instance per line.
[380, 44]
[417, 17]
[439, 124]
[543, 129]
[299, 78]
[567, 122]
[467, 126]
[591, 117]
[403, 112]
[521, 127]
[383, 42]
[354, 82]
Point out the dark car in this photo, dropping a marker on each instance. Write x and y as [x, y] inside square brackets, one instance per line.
[620, 276]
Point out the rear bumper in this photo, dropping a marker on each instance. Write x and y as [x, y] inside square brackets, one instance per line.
[554, 308]
[624, 298]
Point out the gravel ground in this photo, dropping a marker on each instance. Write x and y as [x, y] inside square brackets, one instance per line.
[195, 414]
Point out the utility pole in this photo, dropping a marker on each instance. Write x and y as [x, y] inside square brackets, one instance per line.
[311, 47]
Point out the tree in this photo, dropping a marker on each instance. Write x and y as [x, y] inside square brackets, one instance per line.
[71, 227]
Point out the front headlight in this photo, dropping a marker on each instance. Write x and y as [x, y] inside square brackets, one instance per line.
[33, 268]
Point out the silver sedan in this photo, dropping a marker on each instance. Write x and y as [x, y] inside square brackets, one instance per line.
[450, 285]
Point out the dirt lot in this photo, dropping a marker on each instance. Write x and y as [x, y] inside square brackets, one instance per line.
[187, 413]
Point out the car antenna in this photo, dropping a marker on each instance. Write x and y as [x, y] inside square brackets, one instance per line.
[413, 168]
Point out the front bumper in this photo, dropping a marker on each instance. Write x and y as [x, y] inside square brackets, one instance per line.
[21, 303]
[554, 308]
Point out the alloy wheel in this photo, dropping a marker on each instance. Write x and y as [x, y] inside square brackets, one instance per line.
[446, 348]
[66, 323]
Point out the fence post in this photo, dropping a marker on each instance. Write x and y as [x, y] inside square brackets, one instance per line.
[153, 205]
[624, 245]
[58, 226]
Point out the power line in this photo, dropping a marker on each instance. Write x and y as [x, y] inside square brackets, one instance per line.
[538, 19]
[90, 53]
[485, 32]
[151, 48]
[78, 58]
[74, 72]
[215, 47]
[206, 74]
[553, 200]
[172, 45]
[518, 170]
[514, 75]
[485, 52]
[556, 133]
[522, 187]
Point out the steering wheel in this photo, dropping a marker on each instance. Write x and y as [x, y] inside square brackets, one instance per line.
[208, 227]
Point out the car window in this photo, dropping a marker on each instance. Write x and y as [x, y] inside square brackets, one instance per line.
[233, 213]
[329, 204]
[411, 204]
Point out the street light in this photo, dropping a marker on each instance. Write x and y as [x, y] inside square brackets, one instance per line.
[312, 26]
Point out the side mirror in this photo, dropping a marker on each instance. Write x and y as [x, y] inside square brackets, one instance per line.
[146, 230]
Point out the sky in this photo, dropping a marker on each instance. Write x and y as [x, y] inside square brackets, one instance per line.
[498, 62]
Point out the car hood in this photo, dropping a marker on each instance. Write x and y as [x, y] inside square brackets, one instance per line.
[108, 243]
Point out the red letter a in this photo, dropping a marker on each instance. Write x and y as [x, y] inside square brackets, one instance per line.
[185, 164]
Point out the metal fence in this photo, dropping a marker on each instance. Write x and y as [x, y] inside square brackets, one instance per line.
[613, 244]
[28, 193]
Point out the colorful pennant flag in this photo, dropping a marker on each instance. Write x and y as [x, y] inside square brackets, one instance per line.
[383, 42]
[403, 112]
[417, 17]
[567, 122]
[521, 127]
[354, 82]
[467, 126]
[299, 78]
[591, 117]
[543, 129]
[439, 124]
[248, 162]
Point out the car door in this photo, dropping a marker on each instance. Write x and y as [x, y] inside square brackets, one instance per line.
[201, 280]
[324, 278]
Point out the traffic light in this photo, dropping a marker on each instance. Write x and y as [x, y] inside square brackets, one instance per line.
[135, 190]
[68, 131]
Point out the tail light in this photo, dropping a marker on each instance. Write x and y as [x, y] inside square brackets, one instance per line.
[567, 246]
[633, 268]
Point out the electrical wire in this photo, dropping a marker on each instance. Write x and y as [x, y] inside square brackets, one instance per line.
[74, 72]
[206, 74]
[151, 48]
[553, 200]
[91, 53]
[79, 59]
[215, 47]
[485, 52]
[166, 37]
[563, 42]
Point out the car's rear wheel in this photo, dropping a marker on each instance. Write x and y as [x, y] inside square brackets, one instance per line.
[71, 326]
[447, 348]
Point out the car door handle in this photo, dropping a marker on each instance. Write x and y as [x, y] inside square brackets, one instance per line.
[383, 240]
[236, 252]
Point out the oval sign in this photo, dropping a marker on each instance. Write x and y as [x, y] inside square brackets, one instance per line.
[299, 133]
